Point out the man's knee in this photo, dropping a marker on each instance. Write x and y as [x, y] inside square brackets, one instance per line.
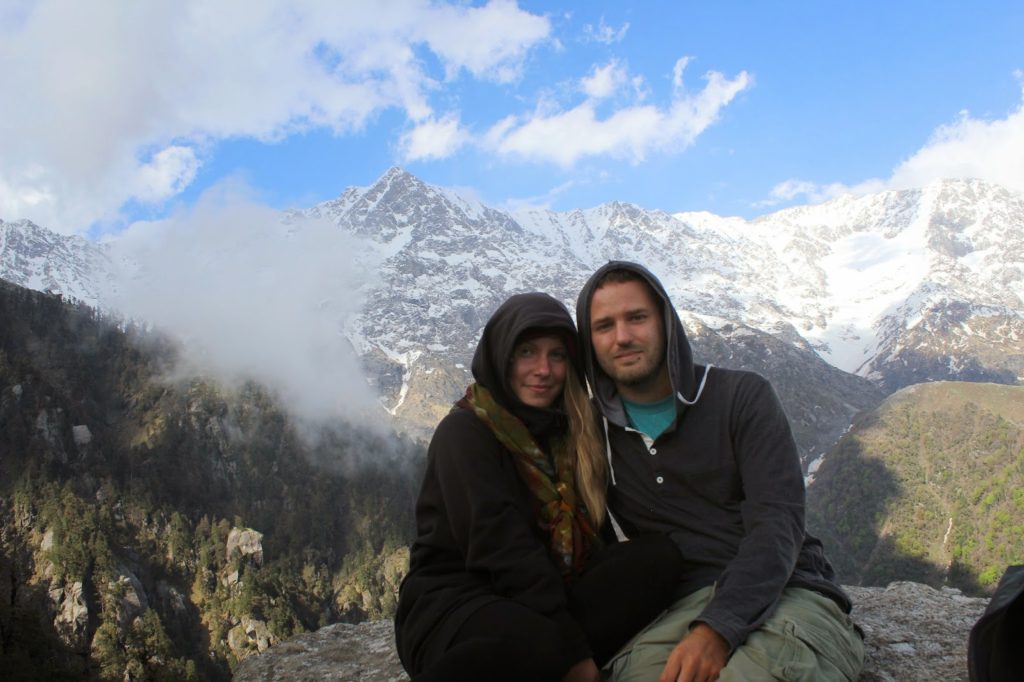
[807, 637]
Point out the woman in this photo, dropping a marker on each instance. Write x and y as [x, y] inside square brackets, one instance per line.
[509, 578]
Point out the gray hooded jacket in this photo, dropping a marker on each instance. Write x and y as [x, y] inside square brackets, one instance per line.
[723, 481]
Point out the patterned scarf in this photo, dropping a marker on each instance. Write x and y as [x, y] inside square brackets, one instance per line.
[560, 511]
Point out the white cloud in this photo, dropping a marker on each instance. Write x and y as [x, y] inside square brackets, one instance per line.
[969, 147]
[631, 132]
[604, 81]
[541, 202]
[89, 87]
[489, 41]
[434, 139]
[252, 298]
[603, 33]
[677, 72]
[170, 171]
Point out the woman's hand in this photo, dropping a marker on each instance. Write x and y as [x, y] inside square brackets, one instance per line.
[584, 671]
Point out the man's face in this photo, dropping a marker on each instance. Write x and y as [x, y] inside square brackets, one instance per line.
[626, 330]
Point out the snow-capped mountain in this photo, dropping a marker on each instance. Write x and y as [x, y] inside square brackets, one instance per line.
[36, 258]
[897, 287]
[864, 281]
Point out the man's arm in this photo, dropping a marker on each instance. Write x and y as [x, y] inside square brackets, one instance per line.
[772, 512]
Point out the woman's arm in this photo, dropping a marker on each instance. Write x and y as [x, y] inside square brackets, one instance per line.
[492, 522]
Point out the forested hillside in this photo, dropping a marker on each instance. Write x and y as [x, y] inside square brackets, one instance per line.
[929, 487]
[162, 530]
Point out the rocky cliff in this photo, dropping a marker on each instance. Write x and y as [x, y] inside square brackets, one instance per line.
[913, 633]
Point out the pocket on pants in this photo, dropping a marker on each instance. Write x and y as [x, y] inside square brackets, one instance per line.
[775, 648]
[807, 644]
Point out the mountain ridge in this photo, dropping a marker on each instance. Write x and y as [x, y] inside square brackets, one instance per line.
[897, 287]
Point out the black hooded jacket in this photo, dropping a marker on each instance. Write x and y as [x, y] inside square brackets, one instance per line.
[478, 538]
[723, 481]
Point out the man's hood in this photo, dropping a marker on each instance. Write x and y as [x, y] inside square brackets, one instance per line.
[677, 347]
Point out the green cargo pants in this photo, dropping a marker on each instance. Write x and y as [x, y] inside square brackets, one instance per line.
[807, 637]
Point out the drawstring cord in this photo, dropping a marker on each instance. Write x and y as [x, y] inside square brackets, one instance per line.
[700, 389]
[608, 448]
[604, 420]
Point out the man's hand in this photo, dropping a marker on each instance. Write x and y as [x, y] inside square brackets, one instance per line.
[584, 671]
[699, 657]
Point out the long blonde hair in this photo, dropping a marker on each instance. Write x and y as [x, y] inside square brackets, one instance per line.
[588, 447]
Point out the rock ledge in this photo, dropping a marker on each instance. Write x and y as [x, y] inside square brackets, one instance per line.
[913, 632]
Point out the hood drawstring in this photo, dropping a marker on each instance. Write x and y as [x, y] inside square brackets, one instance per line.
[700, 389]
[608, 448]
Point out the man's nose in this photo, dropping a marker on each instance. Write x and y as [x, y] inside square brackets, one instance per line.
[622, 334]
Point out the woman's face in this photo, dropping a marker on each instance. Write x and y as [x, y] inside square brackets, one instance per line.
[539, 367]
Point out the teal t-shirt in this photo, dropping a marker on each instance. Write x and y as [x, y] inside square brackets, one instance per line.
[651, 418]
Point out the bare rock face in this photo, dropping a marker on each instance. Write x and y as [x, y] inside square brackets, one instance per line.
[250, 636]
[246, 542]
[71, 614]
[337, 652]
[130, 597]
[913, 633]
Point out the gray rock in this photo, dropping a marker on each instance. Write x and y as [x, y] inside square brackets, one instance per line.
[71, 614]
[337, 652]
[130, 597]
[81, 434]
[246, 542]
[913, 633]
[250, 636]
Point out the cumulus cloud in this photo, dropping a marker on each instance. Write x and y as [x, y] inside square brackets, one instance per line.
[97, 87]
[489, 41]
[434, 139]
[252, 297]
[631, 132]
[968, 147]
[604, 81]
[167, 173]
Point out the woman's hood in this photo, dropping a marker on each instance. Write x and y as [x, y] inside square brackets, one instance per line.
[520, 313]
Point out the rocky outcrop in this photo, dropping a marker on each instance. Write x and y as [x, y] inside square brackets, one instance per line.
[250, 636]
[912, 633]
[915, 632]
[70, 614]
[342, 651]
[246, 542]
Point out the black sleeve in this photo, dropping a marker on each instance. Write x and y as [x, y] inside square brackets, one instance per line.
[772, 511]
[483, 498]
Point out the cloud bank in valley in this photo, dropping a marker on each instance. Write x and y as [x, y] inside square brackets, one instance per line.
[253, 297]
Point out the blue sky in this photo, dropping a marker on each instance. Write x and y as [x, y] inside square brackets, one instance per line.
[129, 111]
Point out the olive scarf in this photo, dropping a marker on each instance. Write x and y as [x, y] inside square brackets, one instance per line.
[561, 513]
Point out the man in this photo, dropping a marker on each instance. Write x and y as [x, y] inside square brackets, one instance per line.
[706, 456]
